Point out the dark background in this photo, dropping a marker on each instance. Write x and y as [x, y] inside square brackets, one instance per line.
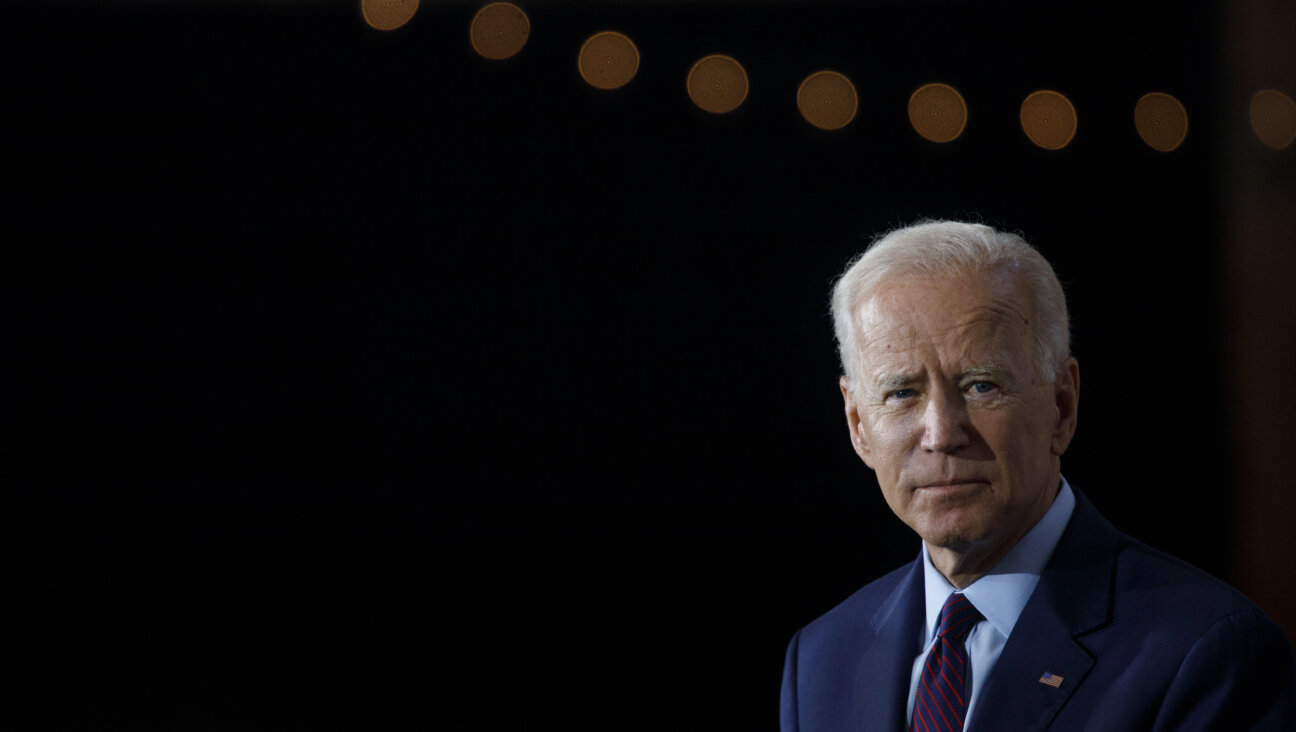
[359, 382]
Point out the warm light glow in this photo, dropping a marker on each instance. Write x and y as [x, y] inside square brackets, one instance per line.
[1048, 119]
[717, 84]
[827, 100]
[388, 14]
[1273, 117]
[608, 60]
[499, 31]
[1161, 121]
[938, 112]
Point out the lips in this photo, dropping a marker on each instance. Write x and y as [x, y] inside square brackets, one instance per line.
[952, 484]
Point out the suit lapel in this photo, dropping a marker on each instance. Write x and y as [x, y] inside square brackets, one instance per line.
[882, 677]
[1072, 598]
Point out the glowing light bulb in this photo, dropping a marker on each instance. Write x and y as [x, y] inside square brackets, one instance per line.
[827, 100]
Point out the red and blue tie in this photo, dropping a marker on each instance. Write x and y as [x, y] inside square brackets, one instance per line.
[941, 702]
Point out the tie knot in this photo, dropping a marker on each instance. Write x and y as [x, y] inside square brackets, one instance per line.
[957, 617]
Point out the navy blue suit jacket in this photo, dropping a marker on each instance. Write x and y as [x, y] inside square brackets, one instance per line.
[1141, 640]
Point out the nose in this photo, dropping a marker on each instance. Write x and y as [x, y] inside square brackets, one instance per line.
[945, 422]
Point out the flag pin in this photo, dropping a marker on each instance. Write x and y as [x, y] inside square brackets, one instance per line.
[1049, 679]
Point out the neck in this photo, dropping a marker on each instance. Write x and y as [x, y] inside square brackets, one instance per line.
[962, 568]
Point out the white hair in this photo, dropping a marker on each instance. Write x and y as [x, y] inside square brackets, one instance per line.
[936, 248]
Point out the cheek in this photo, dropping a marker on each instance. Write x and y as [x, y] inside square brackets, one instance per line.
[890, 443]
[1017, 437]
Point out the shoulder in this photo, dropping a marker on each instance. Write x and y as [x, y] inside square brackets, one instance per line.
[1238, 673]
[1168, 646]
[849, 655]
[1134, 606]
[1120, 582]
[1214, 657]
[1139, 591]
[865, 608]
[1152, 586]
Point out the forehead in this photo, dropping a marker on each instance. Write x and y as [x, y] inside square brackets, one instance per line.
[957, 318]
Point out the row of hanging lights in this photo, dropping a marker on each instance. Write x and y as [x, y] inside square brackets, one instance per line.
[827, 99]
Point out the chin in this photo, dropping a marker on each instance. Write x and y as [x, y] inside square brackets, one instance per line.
[953, 542]
[948, 534]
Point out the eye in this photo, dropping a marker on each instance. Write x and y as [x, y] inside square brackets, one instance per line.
[982, 387]
[901, 394]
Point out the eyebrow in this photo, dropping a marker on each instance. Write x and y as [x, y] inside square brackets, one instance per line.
[896, 381]
[989, 369]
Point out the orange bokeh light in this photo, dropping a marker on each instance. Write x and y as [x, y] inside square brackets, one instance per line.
[717, 84]
[1273, 118]
[827, 100]
[388, 15]
[499, 31]
[1049, 119]
[938, 112]
[1161, 121]
[608, 60]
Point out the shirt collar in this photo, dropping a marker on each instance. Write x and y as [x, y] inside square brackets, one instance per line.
[1002, 593]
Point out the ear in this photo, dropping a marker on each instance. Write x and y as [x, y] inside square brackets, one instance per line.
[1066, 398]
[858, 440]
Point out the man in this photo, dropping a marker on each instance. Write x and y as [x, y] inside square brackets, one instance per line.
[1026, 609]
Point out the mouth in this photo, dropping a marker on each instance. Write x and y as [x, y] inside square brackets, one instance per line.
[951, 486]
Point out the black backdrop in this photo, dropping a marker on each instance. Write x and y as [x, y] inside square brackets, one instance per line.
[360, 382]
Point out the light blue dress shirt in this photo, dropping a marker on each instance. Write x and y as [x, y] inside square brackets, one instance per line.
[1000, 596]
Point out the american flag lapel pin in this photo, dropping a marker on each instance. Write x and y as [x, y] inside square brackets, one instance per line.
[1049, 679]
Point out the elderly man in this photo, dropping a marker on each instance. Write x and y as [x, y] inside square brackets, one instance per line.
[1026, 609]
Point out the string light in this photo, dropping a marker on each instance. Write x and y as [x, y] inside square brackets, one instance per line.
[1273, 118]
[827, 100]
[499, 31]
[385, 15]
[1049, 119]
[1161, 121]
[938, 112]
[717, 84]
[608, 60]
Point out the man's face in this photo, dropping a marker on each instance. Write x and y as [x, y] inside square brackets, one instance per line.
[951, 412]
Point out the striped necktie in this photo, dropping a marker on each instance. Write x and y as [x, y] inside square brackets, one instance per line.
[941, 702]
